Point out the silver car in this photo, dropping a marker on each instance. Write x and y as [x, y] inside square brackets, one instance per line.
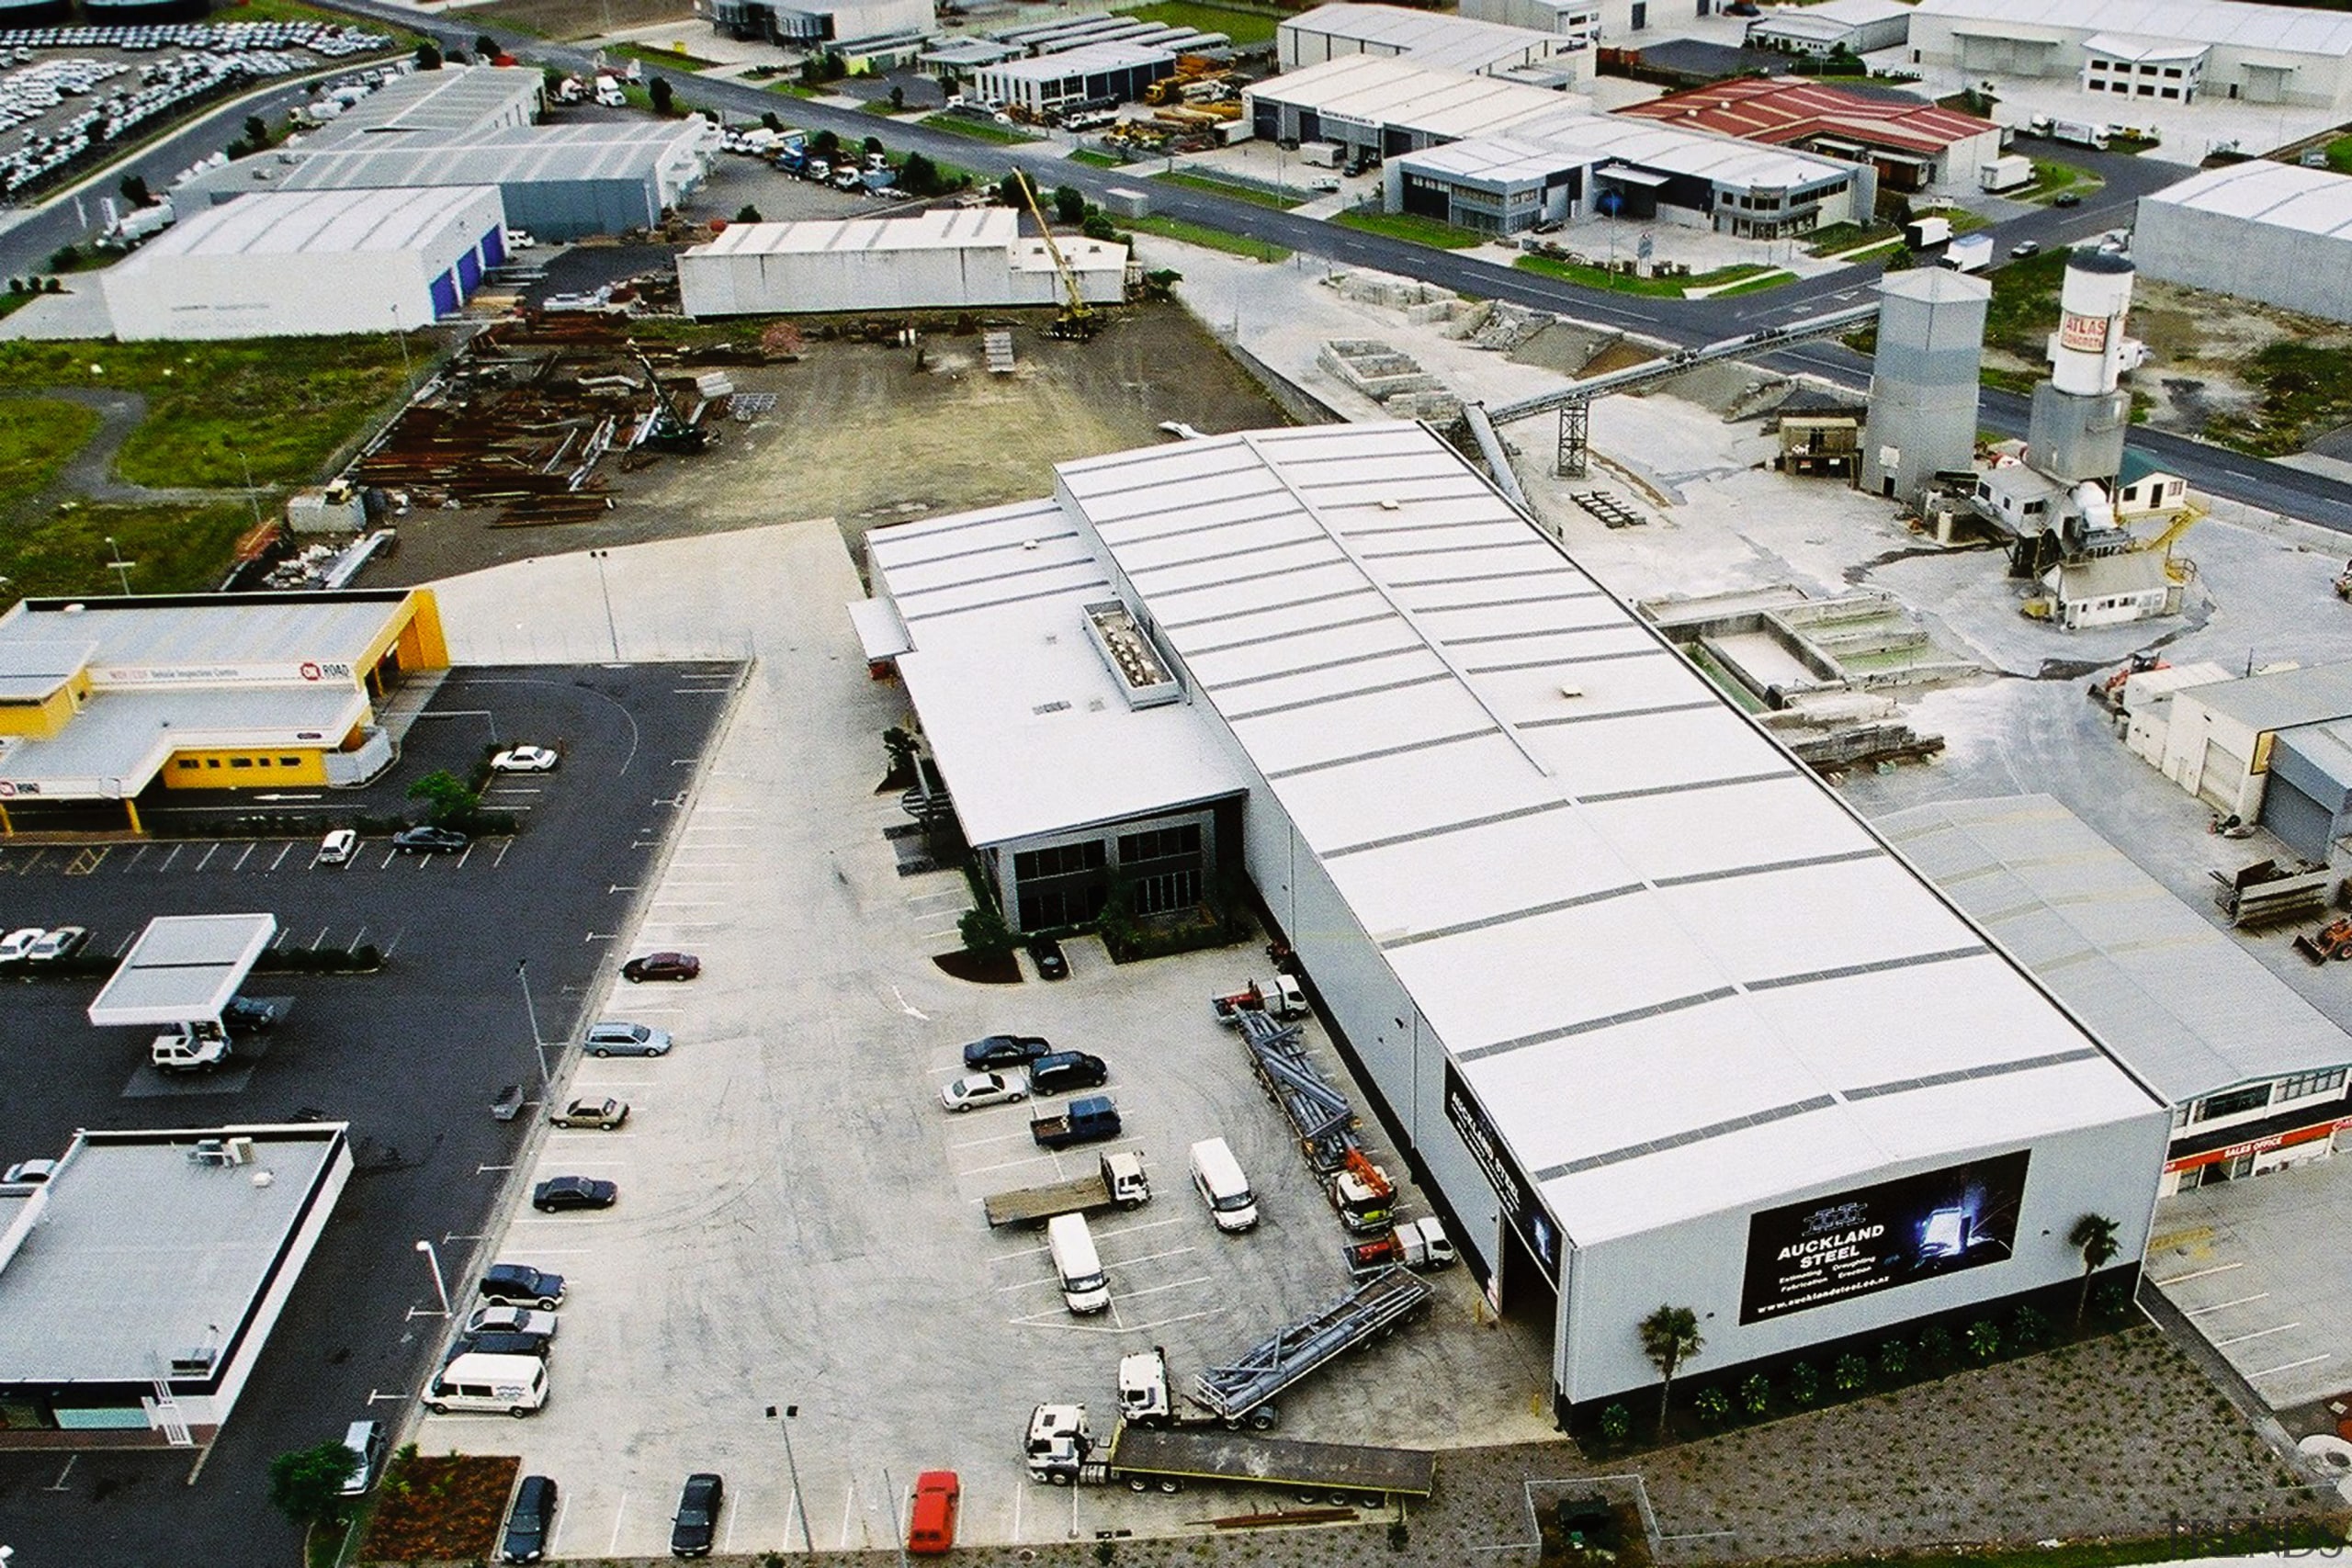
[512, 1320]
[617, 1037]
[983, 1089]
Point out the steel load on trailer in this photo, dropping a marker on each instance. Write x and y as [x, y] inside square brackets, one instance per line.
[1324, 1120]
[1245, 1388]
[1145, 1458]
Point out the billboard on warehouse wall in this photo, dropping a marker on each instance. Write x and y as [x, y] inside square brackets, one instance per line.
[1874, 1239]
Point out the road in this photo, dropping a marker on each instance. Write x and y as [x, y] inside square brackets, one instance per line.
[2252, 481]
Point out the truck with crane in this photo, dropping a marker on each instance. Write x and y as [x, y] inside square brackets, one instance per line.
[1075, 322]
[1281, 996]
[1151, 1449]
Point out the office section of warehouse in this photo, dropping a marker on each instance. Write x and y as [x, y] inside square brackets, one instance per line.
[1641, 998]
[961, 258]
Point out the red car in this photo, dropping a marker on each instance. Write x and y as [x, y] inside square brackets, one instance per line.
[663, 966]
[931, 1523]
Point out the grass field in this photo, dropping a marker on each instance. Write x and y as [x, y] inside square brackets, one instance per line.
[1243, 25]
[978, 130]
[37, 435]
[1600, 277]
[1836, 237]
[1087, 156]
[1257, 196]
[2025, 302]
[1214, 239]
[1413, 228]
[668, 58]
[177, 549]
[2339, 154]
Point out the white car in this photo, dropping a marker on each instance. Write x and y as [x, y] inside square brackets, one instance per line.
[512, 1320]
[17, 943]
[62, 942]
[524, 760]
[338, 847]
[983, 1089]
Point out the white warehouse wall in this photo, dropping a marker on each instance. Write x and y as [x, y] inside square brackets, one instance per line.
[2275, 264]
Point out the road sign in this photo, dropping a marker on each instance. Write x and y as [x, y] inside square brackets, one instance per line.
[1644, 247]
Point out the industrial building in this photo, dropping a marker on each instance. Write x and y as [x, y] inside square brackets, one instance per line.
[2164, 51]
[1042, 84]
[2276, 232]
[2274, 748]
[102, 700]
[1924, 379]
[426, 103]
[2170, 992]
[1911, 144]
[560, 182]
[1641, 995]
[1386, 106]
[804, 24]
[140, 1283]
[1854, 26]
[962, 258]
[309, 264]
[1588, 22]
[1430, 38]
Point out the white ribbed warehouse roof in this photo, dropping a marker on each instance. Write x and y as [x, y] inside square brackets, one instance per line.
[1429, 38]
[2286, 196]
[2238, 22]
[1679, 973]
[1385, 89]
[941, 229]
[332, 222]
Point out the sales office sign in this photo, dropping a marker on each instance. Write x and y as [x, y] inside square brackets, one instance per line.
[309, 671]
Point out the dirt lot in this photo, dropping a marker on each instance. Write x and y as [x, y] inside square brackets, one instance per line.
[860, 434]
[562, 19]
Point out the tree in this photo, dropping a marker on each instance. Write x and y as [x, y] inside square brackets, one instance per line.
[897, 99]
[1008, 191]
[256, 131]
[446, 796]
[769, 119]
[1070, 204]
[747, 213]
[919, 177]
[984, 931]
[486, 49]
[2093, 1237]
[427, 57]
[1098, 226]
[1669, 1337]
[872, 145]
[306, 1484]
[657, 90]
[825, 143]
[134, 191]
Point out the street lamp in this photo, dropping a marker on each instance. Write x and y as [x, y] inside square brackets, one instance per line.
[612, 632]
[538, 1043]
[800, 1504]
[433, 1258]
[122, 568]
[399, 335]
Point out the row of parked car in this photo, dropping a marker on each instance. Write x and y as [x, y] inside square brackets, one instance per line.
[1014, 1066]
[43, 944]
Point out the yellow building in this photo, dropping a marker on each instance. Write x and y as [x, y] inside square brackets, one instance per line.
[102, 700]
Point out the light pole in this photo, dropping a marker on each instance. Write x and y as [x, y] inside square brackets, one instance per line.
[122, 568]
[523, 977]
[433, 1258]
[612, 632]
[399, 335]
[799, 1505]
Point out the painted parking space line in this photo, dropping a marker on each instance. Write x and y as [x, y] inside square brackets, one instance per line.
[1020, 1136]
[1004, 1164]
[620, 1511]
[1149, 1257]
[244, 858]
[2291, 1366]
[284, 851]
[2224, 1306]
[209, 851]
[2257, 1333]
[1161, 1290]
[2198, 1274]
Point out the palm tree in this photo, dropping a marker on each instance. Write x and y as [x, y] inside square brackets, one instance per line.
[1669, 1337]
[2093, 1237]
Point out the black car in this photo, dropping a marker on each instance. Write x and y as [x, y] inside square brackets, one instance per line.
[1047, 954]
[695, 1524]
[429, 840]
[1066, 1069]
[661, 967]
[248, 1016]
[501, 1342]
[530, 1521]
[2067, 198]
[573, 1193]
[521, 1282]
[1004, 1051]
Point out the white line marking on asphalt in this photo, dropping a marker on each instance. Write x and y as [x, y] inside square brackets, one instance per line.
[393, 945]
[500, 859]
[484, 1169]
[2200, 1274]
[244, 858]
[1025, 1285]
[979, 1142]
[1005, 1165]
[1177, 1285]
[900, 998]
[934, 936]
[1156, 1257]
[59, 1484]
[2257, 1333]
[282, 853]
[2224, 1306]
[612, 1547]
[209, 851]
[849, 1511]
[2291, 1366]
[170, 857]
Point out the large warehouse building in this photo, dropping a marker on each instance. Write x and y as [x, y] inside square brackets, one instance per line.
[429, 103]
[1429, 38]
[2277, 233]
[309, 264]
[1853, 26]
[961, 258]
[102, 700]
[1659, 1018]
[1913, 145]
[2166, 51]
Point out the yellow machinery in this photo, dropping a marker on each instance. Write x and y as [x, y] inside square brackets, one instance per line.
[1076, 319]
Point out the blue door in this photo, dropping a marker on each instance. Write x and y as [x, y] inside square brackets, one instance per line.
[445, 295]
[469, 273]
[494, 247]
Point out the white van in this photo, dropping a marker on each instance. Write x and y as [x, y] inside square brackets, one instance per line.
[1222, 1186]
[475, 1381]
[1084, 1289]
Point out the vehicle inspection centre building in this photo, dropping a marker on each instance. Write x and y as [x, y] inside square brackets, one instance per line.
[1658, 1018]
[102, 700]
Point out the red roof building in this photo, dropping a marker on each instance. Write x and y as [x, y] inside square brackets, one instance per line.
[1912, 144]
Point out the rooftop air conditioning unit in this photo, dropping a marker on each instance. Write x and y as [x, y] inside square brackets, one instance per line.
[240, 1151]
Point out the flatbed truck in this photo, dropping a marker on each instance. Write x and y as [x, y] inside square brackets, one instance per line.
[1119, 1178]
[1243, 1391]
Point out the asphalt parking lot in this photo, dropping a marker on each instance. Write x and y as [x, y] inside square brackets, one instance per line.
[800, 1222]
[411, 1056]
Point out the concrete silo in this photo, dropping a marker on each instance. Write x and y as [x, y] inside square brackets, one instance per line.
[1923, 389]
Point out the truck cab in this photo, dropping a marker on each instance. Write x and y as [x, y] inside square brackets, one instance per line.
[1143, 1389]
[1058, 1443]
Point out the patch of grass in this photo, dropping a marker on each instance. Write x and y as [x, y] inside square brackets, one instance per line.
[1257, 196]
[792, 89]
[1242, 24]
[978, 130]
[885, 109]
[37, 437]
[1214, 239]
[673, 59]
[2306, 391]
[1414, 228]
[1087, 156]
[2002, 380]
[2339, 154]
[1600, 277]
[1837, 237]
[179, 550]
[1770, 278]
[2025, 304]
[295, 11]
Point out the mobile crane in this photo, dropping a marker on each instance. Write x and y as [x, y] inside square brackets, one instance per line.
[1075, 322]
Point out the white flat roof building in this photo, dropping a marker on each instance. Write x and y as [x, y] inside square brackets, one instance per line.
[1858, 27]
[1428, 37]
[1043, 83]
[2263, 55]
[946, 258]
[2277, 233]
[285, 264]
[1369, 93]
[138, 1283]
[1659, 1016]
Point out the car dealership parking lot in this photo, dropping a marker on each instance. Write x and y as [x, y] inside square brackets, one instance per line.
[411, 1056]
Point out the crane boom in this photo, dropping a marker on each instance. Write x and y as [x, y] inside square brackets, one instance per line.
[1076, 318]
